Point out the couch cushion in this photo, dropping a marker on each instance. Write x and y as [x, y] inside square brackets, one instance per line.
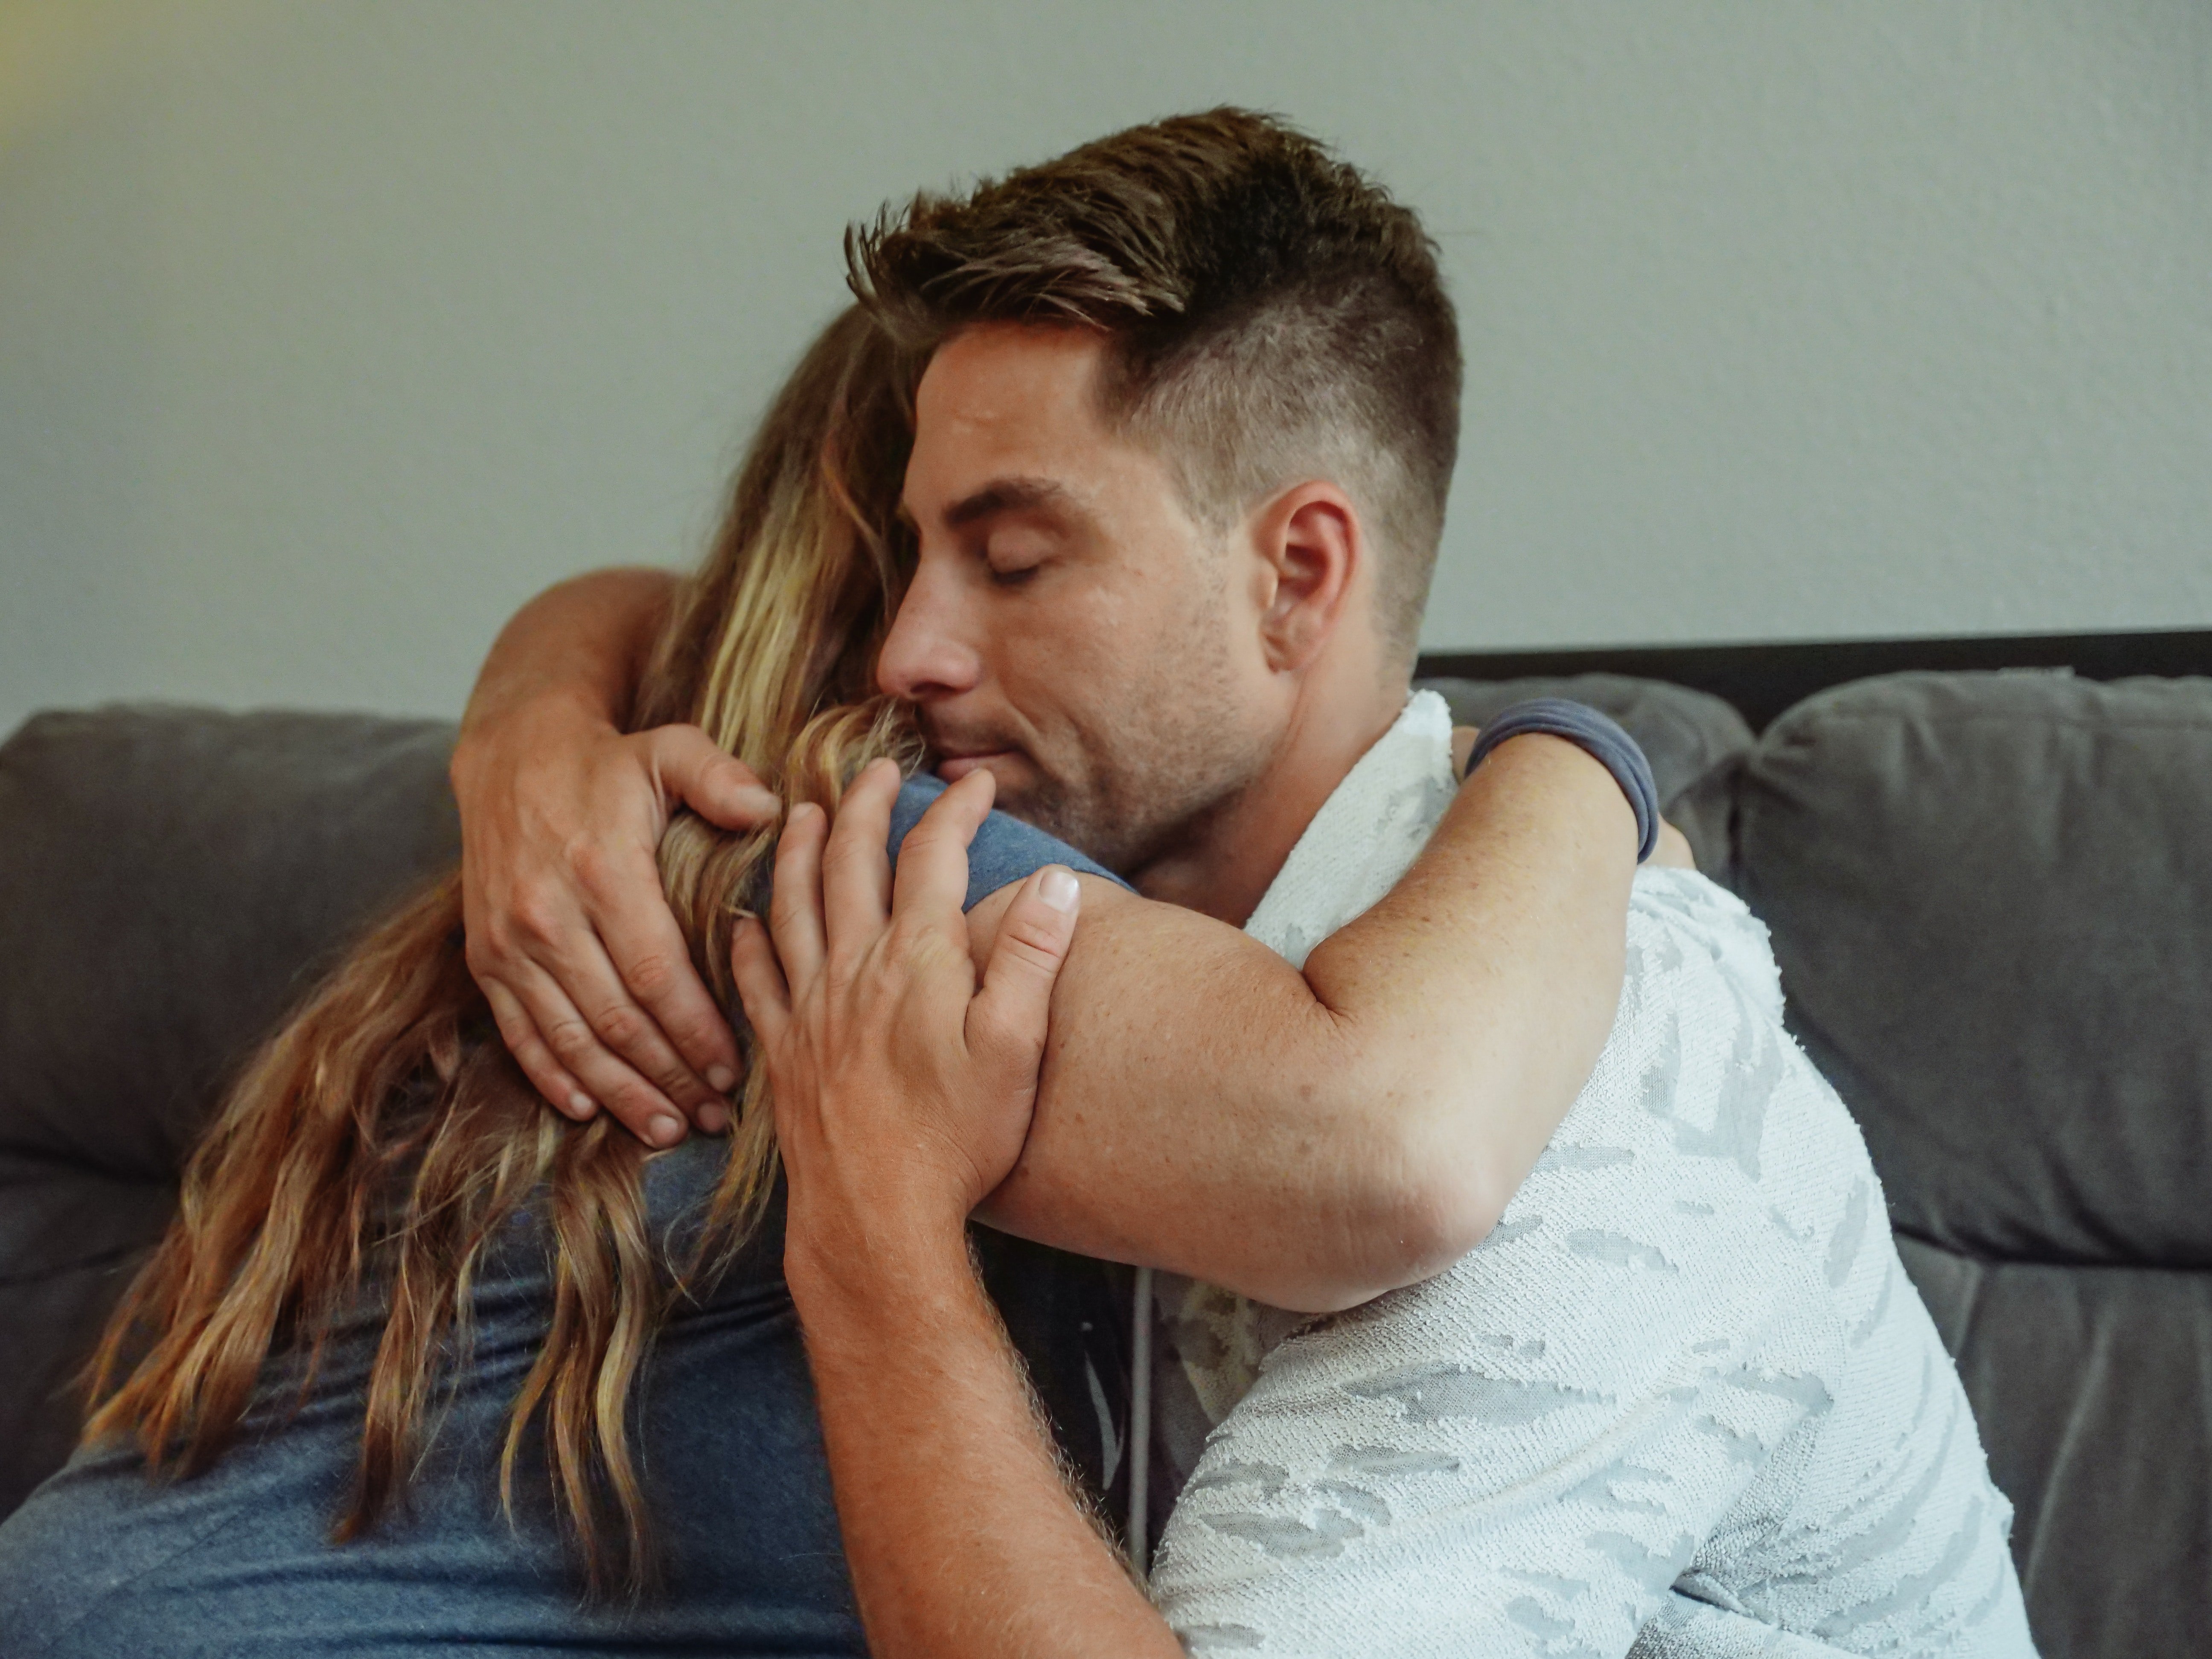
[2091, 1385]
[1693, 740]
[171, 880]
[82, 1236]
[1992, 899]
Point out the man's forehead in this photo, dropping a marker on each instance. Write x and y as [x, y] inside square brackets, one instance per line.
[999, 381]
[1006, 421]
[1036, 355]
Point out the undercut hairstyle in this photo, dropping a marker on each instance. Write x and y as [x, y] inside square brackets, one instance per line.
[1271, 315]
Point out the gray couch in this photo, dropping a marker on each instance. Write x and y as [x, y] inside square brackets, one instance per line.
[1991, 896]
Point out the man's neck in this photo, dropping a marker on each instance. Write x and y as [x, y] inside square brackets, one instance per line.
[1225, 868]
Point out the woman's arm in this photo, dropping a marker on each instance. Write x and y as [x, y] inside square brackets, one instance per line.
[1313, 1139]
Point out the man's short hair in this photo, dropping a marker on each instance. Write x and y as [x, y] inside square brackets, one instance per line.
[1272, 313]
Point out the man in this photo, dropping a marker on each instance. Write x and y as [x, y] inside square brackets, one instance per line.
[1179, 469]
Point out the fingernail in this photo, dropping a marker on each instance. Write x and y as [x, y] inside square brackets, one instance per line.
[721, 1079]
[1058, 889]
[582, 1104]
[714, 1117]
[667, 1131]
[761, 802]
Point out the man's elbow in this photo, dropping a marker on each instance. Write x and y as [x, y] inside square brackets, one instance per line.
[1408, 1213]
[1435, 1217]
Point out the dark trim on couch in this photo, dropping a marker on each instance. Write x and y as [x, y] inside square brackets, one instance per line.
[1763, 680]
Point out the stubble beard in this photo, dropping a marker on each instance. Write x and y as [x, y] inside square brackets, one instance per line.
[1167, 762]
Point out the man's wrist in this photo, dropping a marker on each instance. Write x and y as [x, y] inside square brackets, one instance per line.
[560, 700]
[531, 715]
[862, 1282]
[582, 643]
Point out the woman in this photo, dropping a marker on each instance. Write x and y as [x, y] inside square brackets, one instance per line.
[418, 1360]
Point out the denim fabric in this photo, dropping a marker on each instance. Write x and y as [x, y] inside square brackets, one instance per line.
[237, 1560]
[1004, 851]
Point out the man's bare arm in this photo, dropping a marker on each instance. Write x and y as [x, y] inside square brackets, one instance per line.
[1313, 1139]
[1308, 1140]
[560, 817]
[903, 1091]
[961, 1536]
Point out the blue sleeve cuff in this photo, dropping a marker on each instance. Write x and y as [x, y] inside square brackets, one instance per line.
[1005, 849]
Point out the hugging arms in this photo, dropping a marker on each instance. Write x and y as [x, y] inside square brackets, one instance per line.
[380, 1179]
[1301, 1138]
[903, 1106]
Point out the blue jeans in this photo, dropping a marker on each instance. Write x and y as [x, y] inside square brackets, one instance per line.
[236, 1560]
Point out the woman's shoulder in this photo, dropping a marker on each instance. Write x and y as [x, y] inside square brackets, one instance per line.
[1005, 849]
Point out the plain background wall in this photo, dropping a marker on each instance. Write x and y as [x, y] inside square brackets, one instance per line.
[330, 333]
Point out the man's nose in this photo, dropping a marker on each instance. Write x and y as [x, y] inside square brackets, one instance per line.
[926, 655]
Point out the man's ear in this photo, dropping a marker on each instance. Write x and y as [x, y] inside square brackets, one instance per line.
[1310, 548]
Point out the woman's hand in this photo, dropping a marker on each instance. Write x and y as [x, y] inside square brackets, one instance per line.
[902, 1089]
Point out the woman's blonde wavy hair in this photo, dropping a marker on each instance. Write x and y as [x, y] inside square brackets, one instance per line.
[375, 1145]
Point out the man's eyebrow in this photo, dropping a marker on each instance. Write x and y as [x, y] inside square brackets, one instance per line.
[1009, 496]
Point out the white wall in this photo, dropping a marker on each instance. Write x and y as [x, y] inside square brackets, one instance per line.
[329, 332]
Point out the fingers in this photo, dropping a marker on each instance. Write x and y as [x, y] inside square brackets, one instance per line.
[562, 993]
[795, 911]
[720, 788]
[682, 1021]
[856, 865]
[578, 964]
[546, 1074]
[614, 1045]
[760, 981]
[567, 921]
[570, 1029]
[1006, 1021]
[932, 867]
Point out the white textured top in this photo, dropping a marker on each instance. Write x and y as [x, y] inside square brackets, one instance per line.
[1683, 1401]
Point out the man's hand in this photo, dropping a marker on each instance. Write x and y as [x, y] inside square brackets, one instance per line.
[903, 1091]
[568, 931]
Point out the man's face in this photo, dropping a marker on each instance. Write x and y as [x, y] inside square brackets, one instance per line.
[1070, 626]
